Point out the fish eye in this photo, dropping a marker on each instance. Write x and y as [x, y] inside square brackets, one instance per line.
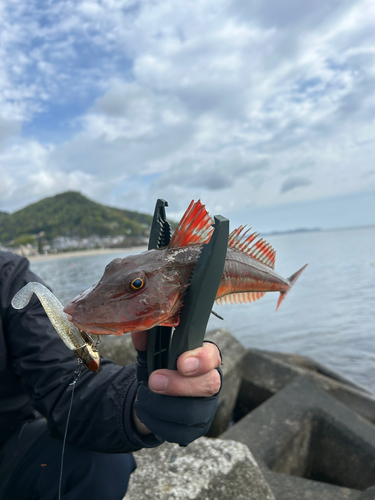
[137, 284]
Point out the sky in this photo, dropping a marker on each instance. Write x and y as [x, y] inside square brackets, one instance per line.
[264, 110]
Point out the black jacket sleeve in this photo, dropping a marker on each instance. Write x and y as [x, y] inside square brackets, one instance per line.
[101, 415]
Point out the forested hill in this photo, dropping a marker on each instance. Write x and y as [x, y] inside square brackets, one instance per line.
[71, 214]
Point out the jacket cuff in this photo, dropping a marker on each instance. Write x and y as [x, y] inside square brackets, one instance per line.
[136, 438]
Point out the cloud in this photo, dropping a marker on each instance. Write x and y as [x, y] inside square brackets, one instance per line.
[8, 130]
[19, 186]
[293, 183]
[244, 104]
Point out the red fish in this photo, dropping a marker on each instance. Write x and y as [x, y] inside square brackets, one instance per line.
[141, 291]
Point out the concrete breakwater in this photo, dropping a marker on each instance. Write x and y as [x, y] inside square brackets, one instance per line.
[286, 428]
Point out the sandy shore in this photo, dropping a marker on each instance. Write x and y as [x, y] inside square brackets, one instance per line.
[85, 253]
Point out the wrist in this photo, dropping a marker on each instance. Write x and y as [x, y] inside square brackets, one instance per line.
[141, 428]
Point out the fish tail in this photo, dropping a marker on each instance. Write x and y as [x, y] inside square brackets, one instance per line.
[291, 281]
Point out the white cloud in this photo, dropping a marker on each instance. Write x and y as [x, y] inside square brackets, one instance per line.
[20, 186]
[254, 104]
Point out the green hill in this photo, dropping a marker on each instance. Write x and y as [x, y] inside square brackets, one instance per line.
[3, 214]
[71, 214]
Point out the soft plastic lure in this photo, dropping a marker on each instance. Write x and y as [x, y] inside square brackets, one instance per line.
[77, 341]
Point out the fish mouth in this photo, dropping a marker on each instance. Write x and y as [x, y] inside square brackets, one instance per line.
[127, 326]
[96, 329]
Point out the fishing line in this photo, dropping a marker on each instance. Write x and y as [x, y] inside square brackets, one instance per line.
[77, 373]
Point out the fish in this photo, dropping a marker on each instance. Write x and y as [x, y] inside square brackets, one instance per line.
[141, 291]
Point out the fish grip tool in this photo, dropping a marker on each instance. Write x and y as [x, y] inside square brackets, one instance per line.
[158, 338]
[161, 233]
[166, 344]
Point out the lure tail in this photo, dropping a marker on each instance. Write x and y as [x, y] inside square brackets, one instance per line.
[291, 281]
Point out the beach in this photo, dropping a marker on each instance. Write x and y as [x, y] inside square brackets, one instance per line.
[86, 253]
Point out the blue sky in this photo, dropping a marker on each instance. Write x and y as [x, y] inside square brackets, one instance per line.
[264, 110]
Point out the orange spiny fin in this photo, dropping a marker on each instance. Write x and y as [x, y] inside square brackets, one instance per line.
[195, 227]
[260, 250]
[267, 254]
[233, 237]
[263, 251]
[237, 240]
[237, 298]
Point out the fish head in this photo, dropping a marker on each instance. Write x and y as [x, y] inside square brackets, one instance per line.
[134, 294]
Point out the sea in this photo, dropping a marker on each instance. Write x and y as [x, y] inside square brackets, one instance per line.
[329, 314]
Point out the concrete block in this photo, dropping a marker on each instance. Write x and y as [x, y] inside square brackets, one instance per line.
[369, 494]
[312, 365]
[118, 349]
[208, 469]
[309, 445]
[233, 353]
[265, 373]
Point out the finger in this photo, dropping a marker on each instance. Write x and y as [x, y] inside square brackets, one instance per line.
[172, 383]
[140, 340]
[199, 361]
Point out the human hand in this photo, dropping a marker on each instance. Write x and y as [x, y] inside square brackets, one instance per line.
[196, 374]
[196, 377]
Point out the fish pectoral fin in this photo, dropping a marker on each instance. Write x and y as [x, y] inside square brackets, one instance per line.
[173, 321]
[217, 315]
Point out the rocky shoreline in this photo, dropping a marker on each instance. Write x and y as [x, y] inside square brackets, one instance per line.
[287, 428]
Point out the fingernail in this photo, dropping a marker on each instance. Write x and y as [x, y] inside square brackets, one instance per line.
[191, 364]
[158, 383]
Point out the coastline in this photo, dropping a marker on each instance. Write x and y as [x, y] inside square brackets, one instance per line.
[85, 253]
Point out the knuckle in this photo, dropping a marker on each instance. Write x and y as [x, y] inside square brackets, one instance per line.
[215, 355]
[214, 383]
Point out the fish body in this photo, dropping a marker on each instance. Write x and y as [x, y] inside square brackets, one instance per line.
[145, 290]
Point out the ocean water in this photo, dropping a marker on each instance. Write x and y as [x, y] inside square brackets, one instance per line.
[328, 315]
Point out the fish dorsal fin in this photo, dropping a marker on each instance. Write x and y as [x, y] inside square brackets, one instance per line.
[238, 298]
[195, 227]
[260, 250]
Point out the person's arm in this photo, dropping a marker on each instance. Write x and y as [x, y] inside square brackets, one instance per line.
[102, 412]
[102, 416]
